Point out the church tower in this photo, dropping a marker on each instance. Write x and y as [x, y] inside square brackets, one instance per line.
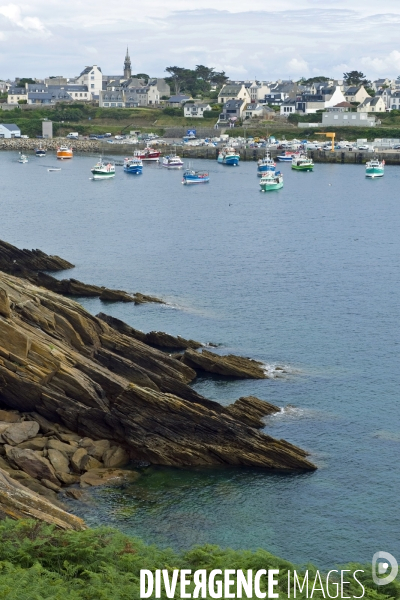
[127, 66]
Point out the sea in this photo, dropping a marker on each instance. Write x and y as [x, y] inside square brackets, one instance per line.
[306, 278]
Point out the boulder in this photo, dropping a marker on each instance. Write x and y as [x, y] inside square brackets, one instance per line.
[75, 494]
[98, 448]
[115, 457]
[89, 462]
[37, 443]
[107, 477]
[85, 442]
[29, 461]
[76, 460]
[67, 478]
[17, 433]
[8, 416]
[50, 485]
[230, 365]
[58, 460]
[62, 447]
[69, 437]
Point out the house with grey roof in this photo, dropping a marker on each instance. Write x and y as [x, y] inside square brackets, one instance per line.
[9, 130]
[15, 94]
[195, 110]
[92, 77]
[375, 104]
[255, 109]
[178, 100]
[232, 110]
[234, 92]
[356, 93]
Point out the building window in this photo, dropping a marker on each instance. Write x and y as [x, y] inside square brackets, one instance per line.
[335, 116]
[105, 104]
[92, 85]
[119, 103]
[354, 116]
[112, 103]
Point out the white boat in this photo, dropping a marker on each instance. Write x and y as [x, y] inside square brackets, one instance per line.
[172, 162]
[102, 170]
[53, 170]
[22, 158]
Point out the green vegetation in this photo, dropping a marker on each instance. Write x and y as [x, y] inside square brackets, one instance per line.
[24, 80]
[356, 78]
[304, 81]
[196, 82]
[38, 562]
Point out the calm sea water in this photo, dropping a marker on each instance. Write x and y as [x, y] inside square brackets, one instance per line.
[306, 277]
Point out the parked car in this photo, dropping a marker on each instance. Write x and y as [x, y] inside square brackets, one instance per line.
[365, 147]
[396, 147]
[92, 136]
[26, 137]
[119, 137]
[107, 135]
[73, 135]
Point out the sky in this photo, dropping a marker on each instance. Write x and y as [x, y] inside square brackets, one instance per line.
[260, 38]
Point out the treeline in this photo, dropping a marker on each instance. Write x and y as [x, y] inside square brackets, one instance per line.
[198, 81]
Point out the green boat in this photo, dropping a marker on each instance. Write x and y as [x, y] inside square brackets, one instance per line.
[272, 180]
[375, 168]
[302, 163]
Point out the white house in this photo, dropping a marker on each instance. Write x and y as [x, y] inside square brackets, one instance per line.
[17, 94]
[195, 110]
[258, 90]
[92, 77]
[255, 109]
[9, 130]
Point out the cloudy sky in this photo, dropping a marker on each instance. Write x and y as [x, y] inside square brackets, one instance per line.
[284, 38]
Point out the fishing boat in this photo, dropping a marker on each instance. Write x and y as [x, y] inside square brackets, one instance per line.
[102, 170]
[40, 152]
[148, 154]
[271, 180]
[172, 162]
[265, 164]
[302, 163]
[228, 156]
[287, 156]
[64, 152]
[53, 169]
[375, 168]
[191, 176]
[133, 165]
[22, 158]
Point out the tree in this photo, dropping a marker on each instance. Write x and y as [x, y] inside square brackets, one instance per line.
[24, 80]
[142, 76]
[356, 78]
[196, 81]
[311, 80]
[178, 77]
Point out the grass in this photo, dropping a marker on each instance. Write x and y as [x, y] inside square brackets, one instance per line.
[38, 562]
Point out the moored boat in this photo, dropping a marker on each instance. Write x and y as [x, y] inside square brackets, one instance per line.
[64, 152]
[172, 162]
[102, 170]
[148, 154]
[271, 180]
[191, 176]
[302, 163]
[228, 156]
[287, 156]
[22, 158]
[375, 168]
[265, 164]
[133, 165]
[40, 152]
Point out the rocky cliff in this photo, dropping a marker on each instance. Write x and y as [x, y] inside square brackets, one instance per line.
[77, 370]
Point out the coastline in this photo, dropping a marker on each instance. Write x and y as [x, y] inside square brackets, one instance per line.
[246, 154]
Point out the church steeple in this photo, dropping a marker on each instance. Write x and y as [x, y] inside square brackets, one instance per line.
[127, 65]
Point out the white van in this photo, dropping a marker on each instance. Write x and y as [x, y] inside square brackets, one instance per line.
[74, 135]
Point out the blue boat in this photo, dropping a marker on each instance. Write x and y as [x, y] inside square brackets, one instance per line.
[265, 165]
[190, 176]
[133, 165]
[228, 156]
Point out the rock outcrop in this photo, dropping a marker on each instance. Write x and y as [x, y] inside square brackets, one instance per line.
[30, 264]
[18, 502]
[229, 366]
[156, 339]
[251, 410]
[75, 371]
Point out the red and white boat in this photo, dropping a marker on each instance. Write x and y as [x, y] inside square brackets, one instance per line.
[148, 154]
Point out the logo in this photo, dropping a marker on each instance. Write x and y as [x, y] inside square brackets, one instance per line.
[381, 562]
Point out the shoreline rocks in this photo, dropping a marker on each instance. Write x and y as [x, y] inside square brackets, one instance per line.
[229, 365]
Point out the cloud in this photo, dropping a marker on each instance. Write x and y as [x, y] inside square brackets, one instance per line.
[12, 12]
[382, 65]
[298, 66]
[323, 37]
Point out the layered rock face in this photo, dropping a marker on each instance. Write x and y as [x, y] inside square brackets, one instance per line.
[77, 370]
